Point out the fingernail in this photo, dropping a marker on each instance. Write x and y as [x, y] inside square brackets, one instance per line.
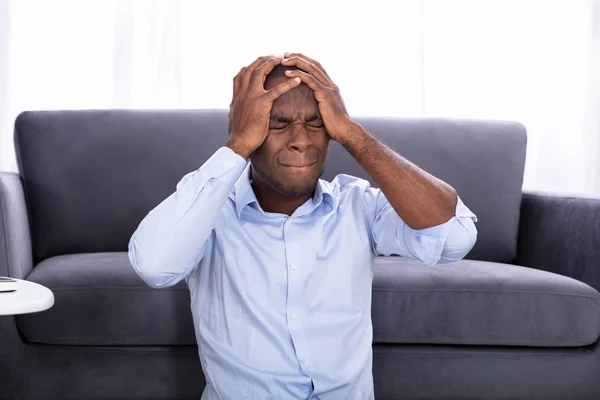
[297, 79]
[287, 54]
[289, 71]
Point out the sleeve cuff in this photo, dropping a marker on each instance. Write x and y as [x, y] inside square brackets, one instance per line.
[428, 244]
[463, 211]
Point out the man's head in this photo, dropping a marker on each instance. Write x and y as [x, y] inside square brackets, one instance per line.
[292, 158]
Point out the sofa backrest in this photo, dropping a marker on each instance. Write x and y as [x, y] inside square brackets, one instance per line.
[90, 177]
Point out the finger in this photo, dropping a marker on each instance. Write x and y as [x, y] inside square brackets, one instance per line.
[307, 78]
[260, 74]
[311, 60]
[307, 58]
[309, 67]
[237, 83]
[274, 93]
[250, 70]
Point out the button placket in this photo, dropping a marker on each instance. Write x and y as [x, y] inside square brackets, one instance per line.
[293, 279]
[294, 282]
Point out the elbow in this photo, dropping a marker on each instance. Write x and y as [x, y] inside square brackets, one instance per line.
[155, 281]
[146, 266]
[461, 240]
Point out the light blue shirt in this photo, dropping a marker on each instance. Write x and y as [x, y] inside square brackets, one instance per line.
[282, 303]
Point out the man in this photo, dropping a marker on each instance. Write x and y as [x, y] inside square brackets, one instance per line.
[278, 262]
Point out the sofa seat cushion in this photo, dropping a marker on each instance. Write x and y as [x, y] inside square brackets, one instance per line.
[100, 300]
[481, 303]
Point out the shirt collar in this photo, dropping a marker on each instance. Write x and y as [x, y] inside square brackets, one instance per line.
[243, 194]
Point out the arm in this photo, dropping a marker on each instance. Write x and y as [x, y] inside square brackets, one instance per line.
[416, 214]
[423, 218]
[420, 199]
[443, 243]
[560, 234]
[170, 241]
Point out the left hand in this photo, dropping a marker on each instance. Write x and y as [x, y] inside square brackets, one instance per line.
[331, 106]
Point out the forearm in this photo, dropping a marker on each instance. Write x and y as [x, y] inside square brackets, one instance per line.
[420, 199]
[169, 241]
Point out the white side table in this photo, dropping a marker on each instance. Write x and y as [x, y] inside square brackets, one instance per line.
[29, 297]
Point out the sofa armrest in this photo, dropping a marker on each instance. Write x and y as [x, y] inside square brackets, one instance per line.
[561, 234]
[15, 241]
[15, 261]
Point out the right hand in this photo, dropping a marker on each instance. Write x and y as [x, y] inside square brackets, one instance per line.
[250, 109]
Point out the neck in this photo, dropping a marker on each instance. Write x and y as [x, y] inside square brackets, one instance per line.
[273, 201]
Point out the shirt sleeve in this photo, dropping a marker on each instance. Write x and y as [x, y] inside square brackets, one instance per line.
[443, 243]
[169, 242]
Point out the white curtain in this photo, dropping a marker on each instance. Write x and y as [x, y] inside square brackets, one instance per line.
[532, 61]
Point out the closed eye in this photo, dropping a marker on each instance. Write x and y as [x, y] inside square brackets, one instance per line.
[315, 122]
[278, 122]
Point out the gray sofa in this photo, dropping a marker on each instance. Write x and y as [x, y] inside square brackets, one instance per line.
[518, 319]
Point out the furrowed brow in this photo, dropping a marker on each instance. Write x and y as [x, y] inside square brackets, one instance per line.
[280, 120]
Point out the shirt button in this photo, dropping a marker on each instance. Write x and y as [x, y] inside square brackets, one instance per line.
[305, 365]
[293, 267]
[293, 316]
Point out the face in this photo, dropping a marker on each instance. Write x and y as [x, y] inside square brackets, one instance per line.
[292, 158]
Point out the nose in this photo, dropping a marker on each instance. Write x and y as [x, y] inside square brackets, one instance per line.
[299, 139]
